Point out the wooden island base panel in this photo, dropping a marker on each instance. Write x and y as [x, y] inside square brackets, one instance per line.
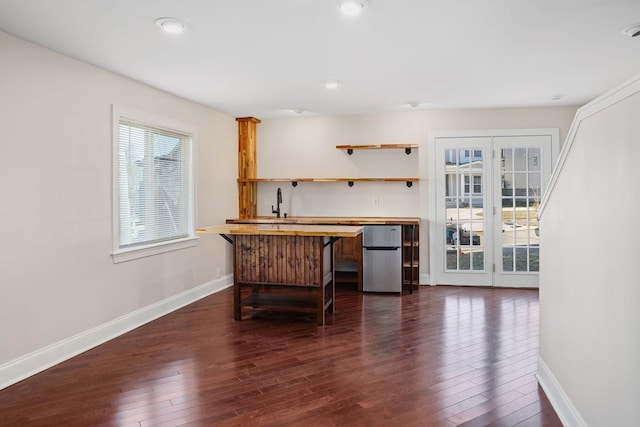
[283, 267]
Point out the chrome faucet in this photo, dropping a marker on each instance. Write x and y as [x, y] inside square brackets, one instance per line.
[279, 200]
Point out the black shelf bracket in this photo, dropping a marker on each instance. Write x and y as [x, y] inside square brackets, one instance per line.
[349, 151]
[331, 241]
[407, 150]
[409, 184]
[294, 183]
[350, 183]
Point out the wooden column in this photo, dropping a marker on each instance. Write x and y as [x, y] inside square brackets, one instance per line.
[247, 167]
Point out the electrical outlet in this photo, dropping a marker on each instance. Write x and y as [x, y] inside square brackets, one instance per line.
[263, 201]
[376, 201]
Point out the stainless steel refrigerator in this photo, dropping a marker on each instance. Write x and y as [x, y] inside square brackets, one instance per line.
[382, 258]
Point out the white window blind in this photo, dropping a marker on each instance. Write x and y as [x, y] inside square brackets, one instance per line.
[154, 194]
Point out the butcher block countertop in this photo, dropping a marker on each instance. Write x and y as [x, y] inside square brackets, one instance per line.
[282, 229]
[327, 220]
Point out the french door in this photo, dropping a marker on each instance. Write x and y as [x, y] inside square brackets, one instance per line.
[485, 191]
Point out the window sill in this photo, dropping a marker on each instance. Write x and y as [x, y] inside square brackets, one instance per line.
[124, 255]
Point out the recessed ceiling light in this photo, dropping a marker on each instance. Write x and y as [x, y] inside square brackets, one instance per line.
[171, 25]
[557, 97]
[632, 31]
[331, 84]
[413, 104]
[353, 7]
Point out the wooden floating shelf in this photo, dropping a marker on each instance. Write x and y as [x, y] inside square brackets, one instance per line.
[349, 181]
[406, 147]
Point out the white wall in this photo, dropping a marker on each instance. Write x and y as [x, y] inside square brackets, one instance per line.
[305, 147]
[590, 276]
[57, 278]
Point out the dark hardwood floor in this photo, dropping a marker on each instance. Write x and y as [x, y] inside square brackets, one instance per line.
[442, 356]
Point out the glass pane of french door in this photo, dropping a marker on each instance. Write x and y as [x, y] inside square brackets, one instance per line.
[523, 164]
[520, 182]
[462, 195]
[464, 209]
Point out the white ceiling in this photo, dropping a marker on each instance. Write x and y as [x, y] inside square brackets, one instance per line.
[264, 58]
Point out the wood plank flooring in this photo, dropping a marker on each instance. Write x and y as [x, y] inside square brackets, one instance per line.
[442, 356]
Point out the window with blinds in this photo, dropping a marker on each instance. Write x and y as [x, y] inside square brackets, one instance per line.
[153, 199]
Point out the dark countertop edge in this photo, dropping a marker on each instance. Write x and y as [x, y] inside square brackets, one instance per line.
[328, 220]
[280, 229]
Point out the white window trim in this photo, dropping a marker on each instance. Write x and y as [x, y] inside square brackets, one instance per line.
[127, 254]
[468, 183]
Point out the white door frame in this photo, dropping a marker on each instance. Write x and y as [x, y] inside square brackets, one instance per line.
[434, 227]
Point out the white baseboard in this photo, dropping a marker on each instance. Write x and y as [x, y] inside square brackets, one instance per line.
[39, 360]
[425, 279]
[567, 413]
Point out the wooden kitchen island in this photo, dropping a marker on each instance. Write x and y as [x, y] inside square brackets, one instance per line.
[284, 267]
